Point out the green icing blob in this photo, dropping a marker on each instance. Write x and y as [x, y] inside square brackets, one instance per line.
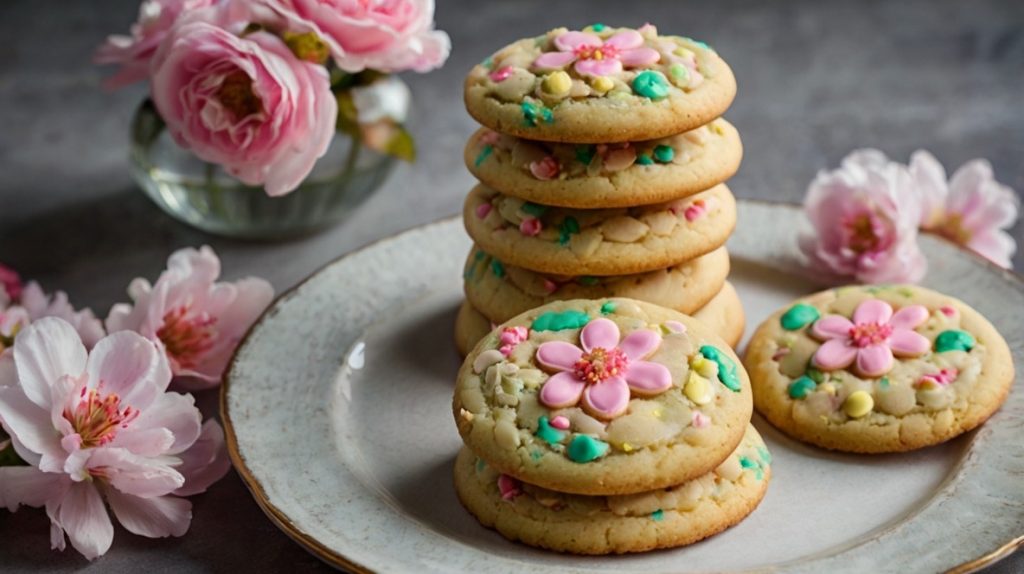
[585, 153]
[644, 159]
[536, 454]
[587, 280]
[747, 463]
[534, 209]
[497, 268]
[799, 316]
[608, 307]
[548, 433]
[764, 454]
[658, 515]
[552, 321]
[726, 367]
[651, 84]
[664, 153]
[679, 72]
[488, 63]
[752, 465]
[799, 388]
[483, 155]
[534, 114]
[479, 255]
[566, 228]
[815, 375]
[599, 27]
[953, 340]
[584, 448]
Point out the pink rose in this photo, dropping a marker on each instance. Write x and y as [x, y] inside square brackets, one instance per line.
[865, 217]
[247, 104]
[388, 35]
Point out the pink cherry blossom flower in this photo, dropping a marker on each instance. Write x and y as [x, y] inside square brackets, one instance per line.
[388, 35]
[971, 208]
[871, 339]
[604, 371]
[134, 52]
[197, 321]
[10, 285]
[596, 57]
[97, 426]
[37, 304]
[865, 217]
[247, 104]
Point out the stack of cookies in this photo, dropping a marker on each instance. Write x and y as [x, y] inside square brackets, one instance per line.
[601, 161]
[606, 426]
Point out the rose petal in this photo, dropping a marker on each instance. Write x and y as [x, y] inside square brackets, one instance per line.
[646, 378]
[639, 57]
[872, 311]
[874, 360]
[834, 354]
[625, 40]
[909, 317]
[907, 343]
[156, 517]
[640, 344]
[569, 41]
[554, 60]
[831, 327]
[602, 333]
[606, 399]
[561, 390]
[606, 67]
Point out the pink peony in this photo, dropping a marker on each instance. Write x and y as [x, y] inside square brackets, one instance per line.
[384, 35]
[865, 217]
[97, 426]
[197, 321]
[247, 104]
[870, 340]
[972, 208]
[596, 57]
[134, 52]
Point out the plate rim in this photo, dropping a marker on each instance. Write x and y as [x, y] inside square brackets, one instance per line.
[338, 560]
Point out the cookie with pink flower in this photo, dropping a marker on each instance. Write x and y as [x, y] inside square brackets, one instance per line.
[599, 397]
[600, 84]
[875, 369]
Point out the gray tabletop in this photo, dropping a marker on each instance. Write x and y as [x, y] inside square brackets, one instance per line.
[816, 80]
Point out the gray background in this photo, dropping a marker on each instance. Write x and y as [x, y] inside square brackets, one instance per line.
[816, 80]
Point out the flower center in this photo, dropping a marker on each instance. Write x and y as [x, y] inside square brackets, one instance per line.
[236, 95]
[952, 228]
[600, 364]
[866, 334]
[862, 233]
[96, 419]
[187, 338]
[596, 52]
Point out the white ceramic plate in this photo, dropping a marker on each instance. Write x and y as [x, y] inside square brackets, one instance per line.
[338, 411]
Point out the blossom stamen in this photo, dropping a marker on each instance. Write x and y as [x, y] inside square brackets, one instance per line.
[187, 338]
[600, 364]
[97, 418]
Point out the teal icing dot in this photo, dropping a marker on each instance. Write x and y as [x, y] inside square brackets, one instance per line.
[534, 209]
[884, 383]
[587, 280]
[664, 153]
[799, 316]
[799, 388]
[488, 63]
[534, 114]
[536, 454]
[749, 464]
[479, 255]
[566, 228]
[548, 433]
[608, 307]
[585, 448]
[599, 27]
[745, 462]
[554, 321]
[497, 268]
[585, 153]
[651, 84]
[483, 155]
[480, 465]
[953, 340]
[726, 367]
[765, 455]
[658, 515]
[644, 159]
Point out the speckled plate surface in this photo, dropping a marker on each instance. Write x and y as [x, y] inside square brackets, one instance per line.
[337, 408]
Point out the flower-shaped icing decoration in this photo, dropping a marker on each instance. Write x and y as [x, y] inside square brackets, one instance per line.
[871, 339]
[596, 57]
[604, 372]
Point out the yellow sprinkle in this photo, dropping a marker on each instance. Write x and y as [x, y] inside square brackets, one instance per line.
[657, 413]
[696, 389]
[602, 84]
[707, 369]
[829, 388]
[858, 404]
[557, 83]
[626, 447]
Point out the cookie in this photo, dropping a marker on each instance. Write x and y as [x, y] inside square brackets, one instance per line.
[502, 291]
[619, 241]
[612, 396]
[589, 176]
[599, 85]
[665, 518]
[878, 369]
[470, 326]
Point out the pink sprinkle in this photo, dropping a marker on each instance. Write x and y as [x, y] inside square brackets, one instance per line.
[530, 227]
[782, 352]
[941, 378]
[483, 209]
[560, 422]
[695, 210]
[490, 137]
[700, 420]
[675, 326]
[545, 169]
[948, 310]
[510, 337]
[550, 286]
[501, 74]
[508, 487]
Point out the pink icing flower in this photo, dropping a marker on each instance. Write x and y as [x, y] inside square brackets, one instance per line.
[865, 218]
[972, 208]
[509, 487]
[870, 340]
[247, 104]
[545, 169]
[384, 35]
[604, 371]
[530, 227]
[10, 284]
[97, 426]
[596, 57]
[941, 378]
[510, 337]
[197, 321]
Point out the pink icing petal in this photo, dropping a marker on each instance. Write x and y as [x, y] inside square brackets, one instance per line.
[907, 343]
[625, 40]
[831, 327]
[640, 344]
[558, 355]
[909, 317]
[569, 41]
[834, 354]
[601, 333]
[639, 57]
[675, 326]
[874, 360]
[560, 422]
[873, 311]
[562, 390]
[606, 67]
[646, 378]
[606, 399]
[554, 60]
